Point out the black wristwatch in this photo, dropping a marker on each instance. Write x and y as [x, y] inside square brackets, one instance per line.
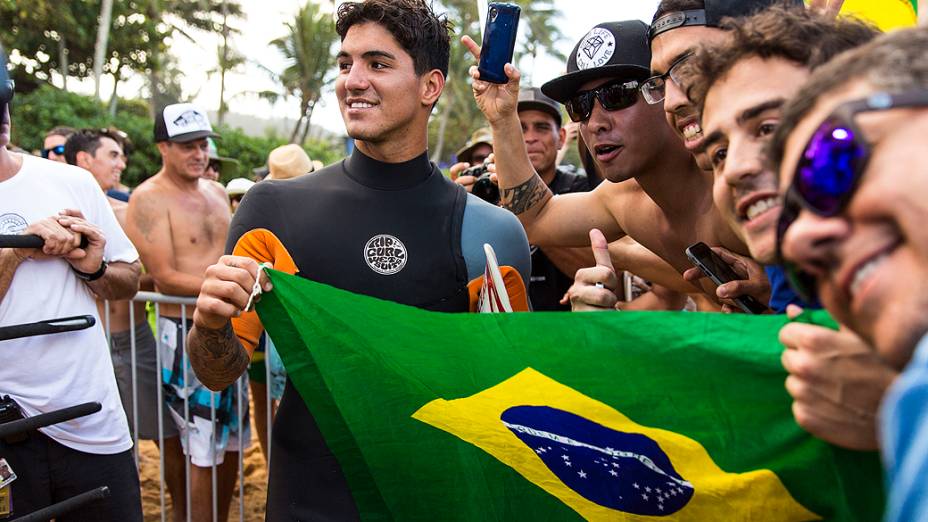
[91, 277]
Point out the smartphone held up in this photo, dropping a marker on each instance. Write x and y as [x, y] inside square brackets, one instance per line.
[720, 273]
[499, 41]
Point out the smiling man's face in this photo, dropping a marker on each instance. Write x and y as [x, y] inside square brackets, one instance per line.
[741, 111]
[377, 86]
[870, 263]
[682, 116]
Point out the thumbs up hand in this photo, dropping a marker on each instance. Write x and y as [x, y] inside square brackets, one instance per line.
[594, 288]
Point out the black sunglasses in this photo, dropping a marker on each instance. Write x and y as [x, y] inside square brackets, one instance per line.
[614, 96]
[829, 170]
[57, 149]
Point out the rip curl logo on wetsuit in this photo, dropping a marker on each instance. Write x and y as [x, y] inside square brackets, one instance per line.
[385, 254]
[11, 224]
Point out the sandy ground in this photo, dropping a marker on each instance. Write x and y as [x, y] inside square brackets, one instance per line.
[255, 484]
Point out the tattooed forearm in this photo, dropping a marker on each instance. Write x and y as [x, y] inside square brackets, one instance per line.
[217, 356]
[524, 197]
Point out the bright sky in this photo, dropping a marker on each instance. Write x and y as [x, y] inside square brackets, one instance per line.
[263, 21]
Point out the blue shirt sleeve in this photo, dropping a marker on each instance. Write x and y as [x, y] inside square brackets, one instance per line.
[486, 223]
[904, 440]
[781, 294]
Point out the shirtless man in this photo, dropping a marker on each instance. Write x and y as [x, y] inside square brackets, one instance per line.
[179, 224]
[628, 140]
[101, 153]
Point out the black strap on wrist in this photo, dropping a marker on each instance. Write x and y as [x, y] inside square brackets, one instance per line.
[91, 277]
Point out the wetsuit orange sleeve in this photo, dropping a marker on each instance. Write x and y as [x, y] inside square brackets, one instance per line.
[515, 287]
[264, 247]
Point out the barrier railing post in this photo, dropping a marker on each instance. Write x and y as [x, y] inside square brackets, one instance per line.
[160, 395]
[212, 452]
[135, 388]
[241, 450]
[183, 363]
[269, 399]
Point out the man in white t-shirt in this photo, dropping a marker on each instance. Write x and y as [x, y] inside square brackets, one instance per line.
[62, 203]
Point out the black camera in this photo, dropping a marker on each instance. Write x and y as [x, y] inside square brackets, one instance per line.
[483, 188]
[10, 411]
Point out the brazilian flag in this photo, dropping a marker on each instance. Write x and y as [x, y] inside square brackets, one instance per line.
[559, 416]
[885, 14]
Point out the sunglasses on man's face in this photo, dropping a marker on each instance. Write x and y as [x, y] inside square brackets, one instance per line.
[830, 168]
[613, 96]
[57, 149]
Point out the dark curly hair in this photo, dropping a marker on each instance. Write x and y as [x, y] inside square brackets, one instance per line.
[795, 34]
[894, 63]
[421, 33]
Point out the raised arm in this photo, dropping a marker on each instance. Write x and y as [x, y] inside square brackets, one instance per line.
[548, 220]
[149, 228]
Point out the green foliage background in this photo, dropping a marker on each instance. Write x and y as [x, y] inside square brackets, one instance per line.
[36, 112]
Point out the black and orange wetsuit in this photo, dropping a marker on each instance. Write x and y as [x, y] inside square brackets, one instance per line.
[401, 232]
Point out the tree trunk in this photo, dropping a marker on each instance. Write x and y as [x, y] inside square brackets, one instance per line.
[99, 50]
[155, 65]
[296, 128]
[223, 64]
[308, 124]
[114, 99]
[63, 61]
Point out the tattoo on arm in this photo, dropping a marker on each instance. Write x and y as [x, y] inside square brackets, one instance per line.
[217, 356]
[145, 217]
[524, 197]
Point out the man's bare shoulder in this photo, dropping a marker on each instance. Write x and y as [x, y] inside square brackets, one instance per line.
[213, 188]
[151, 187]
[626, 199]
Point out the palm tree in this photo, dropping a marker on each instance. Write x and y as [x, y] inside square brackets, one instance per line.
[307, 47]
[541, 31]
[457, 115]
[103, 36]
[228, 59]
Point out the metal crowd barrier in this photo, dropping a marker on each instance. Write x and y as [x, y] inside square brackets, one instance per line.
[184, 302]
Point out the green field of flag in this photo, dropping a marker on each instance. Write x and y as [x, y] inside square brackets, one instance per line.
[559, 416]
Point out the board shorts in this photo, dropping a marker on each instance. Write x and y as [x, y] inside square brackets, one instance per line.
[206, 441]
[266, 355]
[146, 378]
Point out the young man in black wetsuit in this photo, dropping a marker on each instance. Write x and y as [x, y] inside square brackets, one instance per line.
[384, 222]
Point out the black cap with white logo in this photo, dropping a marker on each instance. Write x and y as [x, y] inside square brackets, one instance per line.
[609, 50]
[712, 15]
[182, 122]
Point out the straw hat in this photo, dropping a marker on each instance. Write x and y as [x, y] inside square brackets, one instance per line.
[481, 136]
[288, 161]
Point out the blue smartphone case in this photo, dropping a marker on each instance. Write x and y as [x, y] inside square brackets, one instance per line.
[499, 41]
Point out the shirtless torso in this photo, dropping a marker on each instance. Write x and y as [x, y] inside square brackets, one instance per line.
[669, 229]
[179, 227]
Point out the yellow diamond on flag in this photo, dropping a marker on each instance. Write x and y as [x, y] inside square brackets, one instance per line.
[601, 463]
[885, 14]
